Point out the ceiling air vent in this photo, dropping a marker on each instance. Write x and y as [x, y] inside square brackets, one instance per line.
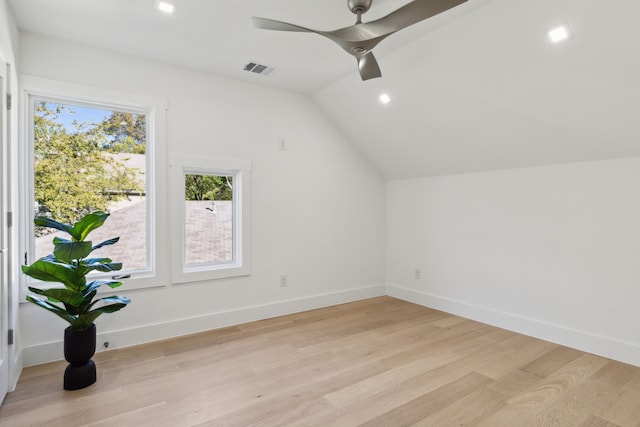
[263, 70]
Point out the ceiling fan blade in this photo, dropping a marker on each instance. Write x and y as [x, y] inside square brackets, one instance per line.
[368, 67]
[272, 24]
[409, 14]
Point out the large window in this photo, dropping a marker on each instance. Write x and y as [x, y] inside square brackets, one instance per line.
[212, 239]
[87, 153]
[85, 159]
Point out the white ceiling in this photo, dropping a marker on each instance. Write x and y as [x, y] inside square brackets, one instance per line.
[476, 88]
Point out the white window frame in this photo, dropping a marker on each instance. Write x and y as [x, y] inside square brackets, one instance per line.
[240, 170]
[157, 273]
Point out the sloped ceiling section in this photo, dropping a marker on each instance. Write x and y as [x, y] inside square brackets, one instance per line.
[479, 87]
[489, 91]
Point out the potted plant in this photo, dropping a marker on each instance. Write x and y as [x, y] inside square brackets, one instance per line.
[77, 302]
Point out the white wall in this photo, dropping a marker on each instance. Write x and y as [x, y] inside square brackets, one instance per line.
[552, 252]
[318, 207]
[8, 31]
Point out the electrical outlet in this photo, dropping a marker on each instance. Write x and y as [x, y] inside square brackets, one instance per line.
[416, 274]
[284, 282]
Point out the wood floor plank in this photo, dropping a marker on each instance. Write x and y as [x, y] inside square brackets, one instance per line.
[594, 421]
[391, 378]
[424, 406]
[615, 374]
[511, 358]
[467, 411]
[573, 408]
[378, 362]
[554, 385]
[551, 361]
[554, 397]
[624, 407]
[514, 382]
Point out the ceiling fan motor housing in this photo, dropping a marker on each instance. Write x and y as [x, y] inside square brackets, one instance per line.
[359, 6]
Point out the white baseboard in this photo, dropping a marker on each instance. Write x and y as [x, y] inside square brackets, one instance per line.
[622, 351]
[52, 351]
[16, 369]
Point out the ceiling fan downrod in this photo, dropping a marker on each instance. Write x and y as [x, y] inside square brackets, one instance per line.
[359, 7]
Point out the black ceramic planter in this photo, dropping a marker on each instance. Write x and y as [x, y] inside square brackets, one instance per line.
[79, 348]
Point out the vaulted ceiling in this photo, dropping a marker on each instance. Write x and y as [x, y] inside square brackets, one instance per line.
[479, 87]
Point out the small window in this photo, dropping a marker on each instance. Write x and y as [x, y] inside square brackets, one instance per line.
[213, 218]
[208, 219]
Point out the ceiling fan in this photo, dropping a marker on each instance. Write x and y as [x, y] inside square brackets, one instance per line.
[359, 39]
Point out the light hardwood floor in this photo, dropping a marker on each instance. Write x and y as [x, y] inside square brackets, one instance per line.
[378, 362]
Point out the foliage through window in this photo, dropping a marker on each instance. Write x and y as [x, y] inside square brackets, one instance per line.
[88, 158]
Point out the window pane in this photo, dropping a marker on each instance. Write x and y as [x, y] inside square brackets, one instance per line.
[208, 213]
[88, 159]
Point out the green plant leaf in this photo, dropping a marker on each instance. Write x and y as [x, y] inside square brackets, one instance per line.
[75, 311]
[116, 298]
[65, 296]
[112, 303]
[88, 298]
[86, 320]
[88, 223]
[111, 308]
[101, 264]
[50, 223]
[97, 283]
[49, 269]
[57, 240]
[105, 243]
[92, 261]
[112, 266]
[72, 250]
[52, 308]
[82, 322]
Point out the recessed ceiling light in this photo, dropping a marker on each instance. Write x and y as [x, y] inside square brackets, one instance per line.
[384, 98]
[558, 34]
[165, 7]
